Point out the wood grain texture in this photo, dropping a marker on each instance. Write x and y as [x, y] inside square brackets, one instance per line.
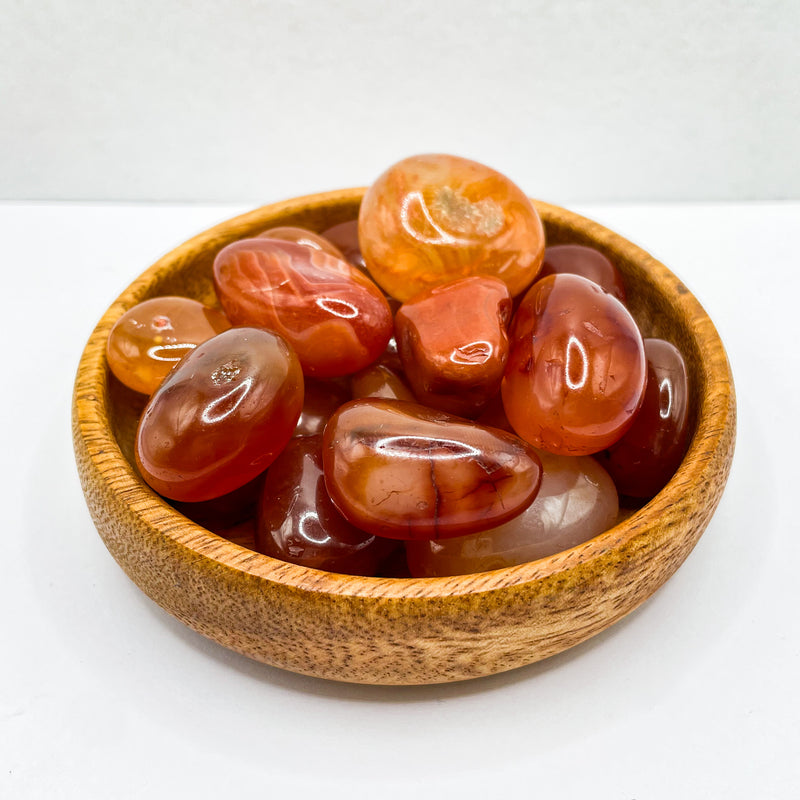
[393, 630]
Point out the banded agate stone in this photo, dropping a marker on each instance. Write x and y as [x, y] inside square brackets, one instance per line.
[576, 370]
[334, 316]
[646, 457]
[576, 502]
[431, 219]
[453, 344]
[404, 471]
[149, 339]
[221, 417]
[297, 522]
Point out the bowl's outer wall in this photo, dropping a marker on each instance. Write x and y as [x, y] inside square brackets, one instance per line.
[391, 630]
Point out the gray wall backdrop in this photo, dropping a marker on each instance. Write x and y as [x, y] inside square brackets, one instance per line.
[253, 101]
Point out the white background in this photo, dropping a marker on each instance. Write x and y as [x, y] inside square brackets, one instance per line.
[248, 101]
[104, 695]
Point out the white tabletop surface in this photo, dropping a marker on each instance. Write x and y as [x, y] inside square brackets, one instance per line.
[102, 694]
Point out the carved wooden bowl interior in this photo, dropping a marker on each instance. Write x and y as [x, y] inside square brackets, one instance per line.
[399, 630]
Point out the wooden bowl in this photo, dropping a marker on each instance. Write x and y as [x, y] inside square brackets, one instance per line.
[396, 630]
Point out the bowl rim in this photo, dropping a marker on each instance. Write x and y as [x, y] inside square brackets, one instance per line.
[91, 424]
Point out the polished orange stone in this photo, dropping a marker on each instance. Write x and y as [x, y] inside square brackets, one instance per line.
[431, 219]
[576, 369]
[289, 233]
[152, 337]
[221, 417]
[453, 343]
[298, 523]
[404, 471]
[576, 501]
[646, 457]
[336, 319]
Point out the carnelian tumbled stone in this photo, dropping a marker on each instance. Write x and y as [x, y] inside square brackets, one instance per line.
[221, 416]
[404, 471]
[577, 259]
[149, 339]
[333, 315]
[289, 233]
[576, 369]
[297, 522]
[646, 457]
[453, 343]
[576, 502]
[430, 219]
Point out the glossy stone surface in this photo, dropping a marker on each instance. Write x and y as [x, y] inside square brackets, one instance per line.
[404, 471]
[334, 316]
[646, 457]
[381, 381]
[431, 219]
[297, 522]
[576, 259]
[344, 236]
[289, 233]
[221, 416]
[576, 501]
[153, 336]
[321, 399]
[576, 370]
[453, 344]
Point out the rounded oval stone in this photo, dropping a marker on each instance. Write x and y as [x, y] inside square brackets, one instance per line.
[148, 340]
[297, 522]
[434, 218]
[576, 369]
[576, 502]
[646, 457]
[336, 319]
[404, 471]
[221, 416]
